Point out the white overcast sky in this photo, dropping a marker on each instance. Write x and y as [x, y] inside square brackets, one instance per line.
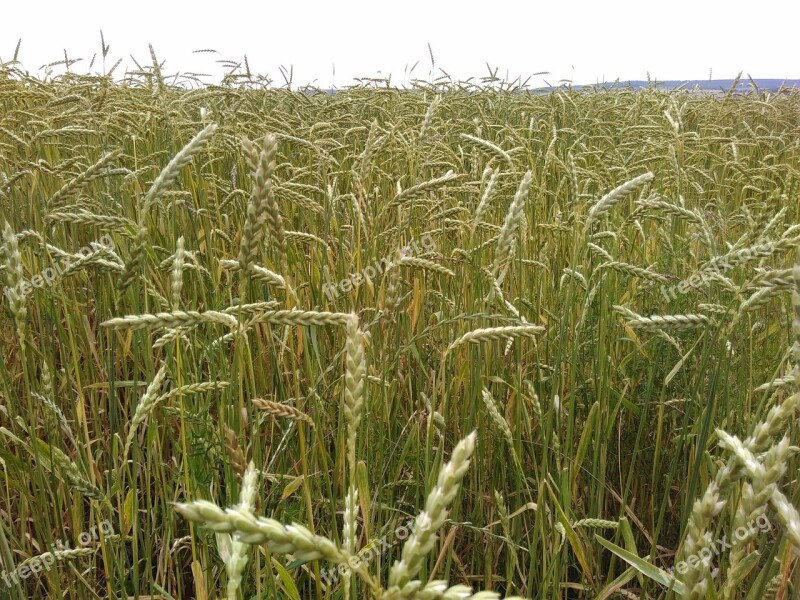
[581, 41]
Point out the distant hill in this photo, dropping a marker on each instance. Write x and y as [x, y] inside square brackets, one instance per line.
[705, 85]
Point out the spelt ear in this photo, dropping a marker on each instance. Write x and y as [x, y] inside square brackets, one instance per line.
[427, 524]
[511, 223]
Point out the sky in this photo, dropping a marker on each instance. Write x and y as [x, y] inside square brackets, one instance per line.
[328, 44]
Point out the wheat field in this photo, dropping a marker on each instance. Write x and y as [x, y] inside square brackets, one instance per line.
[447, 342]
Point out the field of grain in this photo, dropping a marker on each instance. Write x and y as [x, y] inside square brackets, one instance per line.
[264, 343]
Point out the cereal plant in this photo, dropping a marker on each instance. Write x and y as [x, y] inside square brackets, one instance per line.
[443, 342]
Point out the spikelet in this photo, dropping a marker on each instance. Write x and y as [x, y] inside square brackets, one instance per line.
[505, 523]
[97, 257]
[495, 333]
[302, 236]
[740, 256]
[781, 278]
[595, 524]
[533, 398]
[439, 590]
[716, 309]
[787, 380]
[789, 517]
[511, 223]
[251, 308]
[755, 498]
[165, 178]
[608, 201]
[760, 297]
[573, 274]
[601, 251]
[172, 335]
[46, 399]
[427, 524]
[372, 146]
[671, 209]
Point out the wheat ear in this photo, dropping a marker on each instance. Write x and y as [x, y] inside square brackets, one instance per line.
[237, 559]
[495, 333]
[165, 178]
[235, 452]
[280, 539]
[176, 279]
[51, 455]
[608, 201]
[81, 179]
[716, 494]
[170, 173]
[15, 281]
[680, 322]
[512, 221]
[262, 208]
[170, 319]
[145, 406]
[283, 410]
[430, 520]
[355, 370]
